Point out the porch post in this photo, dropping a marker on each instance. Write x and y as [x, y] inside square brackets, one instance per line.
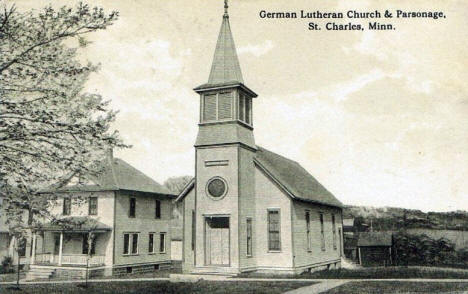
[60, 249]
[33, 255]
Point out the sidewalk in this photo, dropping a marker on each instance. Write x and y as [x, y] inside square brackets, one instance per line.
[229, 279]
[317, 288]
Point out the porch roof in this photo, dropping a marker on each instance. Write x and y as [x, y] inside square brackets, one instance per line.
[75, 224]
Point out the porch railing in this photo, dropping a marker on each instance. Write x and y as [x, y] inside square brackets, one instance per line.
[70, 259]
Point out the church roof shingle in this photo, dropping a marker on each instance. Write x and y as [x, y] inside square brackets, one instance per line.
[292, 177]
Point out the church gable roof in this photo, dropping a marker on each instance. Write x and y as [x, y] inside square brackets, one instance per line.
[292, 177]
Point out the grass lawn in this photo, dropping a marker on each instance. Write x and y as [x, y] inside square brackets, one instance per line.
[201, 287]
[393, 272]
[398, 287]
[10, 277]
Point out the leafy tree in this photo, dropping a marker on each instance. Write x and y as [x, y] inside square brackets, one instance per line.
[177, 184]
[50, 129]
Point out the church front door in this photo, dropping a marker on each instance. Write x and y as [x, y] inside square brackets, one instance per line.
[217, 241]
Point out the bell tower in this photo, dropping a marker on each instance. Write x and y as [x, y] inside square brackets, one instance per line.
[224, 170]
[225, 102]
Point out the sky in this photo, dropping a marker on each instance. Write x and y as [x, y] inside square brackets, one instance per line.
[380, 118]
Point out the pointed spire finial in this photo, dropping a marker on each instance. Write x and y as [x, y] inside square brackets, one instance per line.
[226, 8]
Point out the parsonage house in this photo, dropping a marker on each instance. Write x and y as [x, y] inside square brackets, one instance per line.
[126, 214]
[249, 209]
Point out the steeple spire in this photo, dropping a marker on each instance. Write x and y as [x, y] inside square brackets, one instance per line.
[226, 8]
[225, 67]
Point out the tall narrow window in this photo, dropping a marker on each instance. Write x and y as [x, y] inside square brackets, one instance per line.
[334, 231]
[151, 243]
[134, 243]
[322, 232]
[132, 207]
[126, 247]
[274, 241]
[307, 219]
[130, 245]
[66, 206]
[248, 110]
[193, 229]
[157, 213]
[249, 236]
[241, 107]
[93, 205]
[22, 247]
[162, 243]
[85, 245]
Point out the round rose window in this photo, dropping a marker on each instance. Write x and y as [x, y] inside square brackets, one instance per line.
[216, 187]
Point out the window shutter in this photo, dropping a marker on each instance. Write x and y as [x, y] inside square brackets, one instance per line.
[224, 106]
[209, 111]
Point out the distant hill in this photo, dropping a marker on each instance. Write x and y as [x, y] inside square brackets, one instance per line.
[392, 218]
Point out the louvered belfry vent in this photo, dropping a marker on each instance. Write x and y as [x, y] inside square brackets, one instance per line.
[217, 107]
[225, 106]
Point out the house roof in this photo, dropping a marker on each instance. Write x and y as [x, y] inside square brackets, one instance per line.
[119, 175]
[293, 178]
[367, 239]
[75, 224]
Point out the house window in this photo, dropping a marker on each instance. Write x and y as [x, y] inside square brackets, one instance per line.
[322, 232]
[85, 245]
[217, 106]
[134, 243]
[151, 243]
[334, 231]
[126, 249]
[132, 209]
[93, 203]
[249, 236]
[307, 219]
[66, 206]
[193, 229]
[157, 213]
[162, 243]
[22, 247]
[274, 243]
[130, 243]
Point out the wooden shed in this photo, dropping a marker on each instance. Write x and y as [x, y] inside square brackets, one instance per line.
[375, 248]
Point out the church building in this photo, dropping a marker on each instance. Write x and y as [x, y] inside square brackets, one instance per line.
[249, 209]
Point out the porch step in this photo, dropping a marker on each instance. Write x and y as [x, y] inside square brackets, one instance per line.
[39, 273]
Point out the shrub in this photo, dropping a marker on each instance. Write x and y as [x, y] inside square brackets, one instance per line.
[7, 265]
[411, 249]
